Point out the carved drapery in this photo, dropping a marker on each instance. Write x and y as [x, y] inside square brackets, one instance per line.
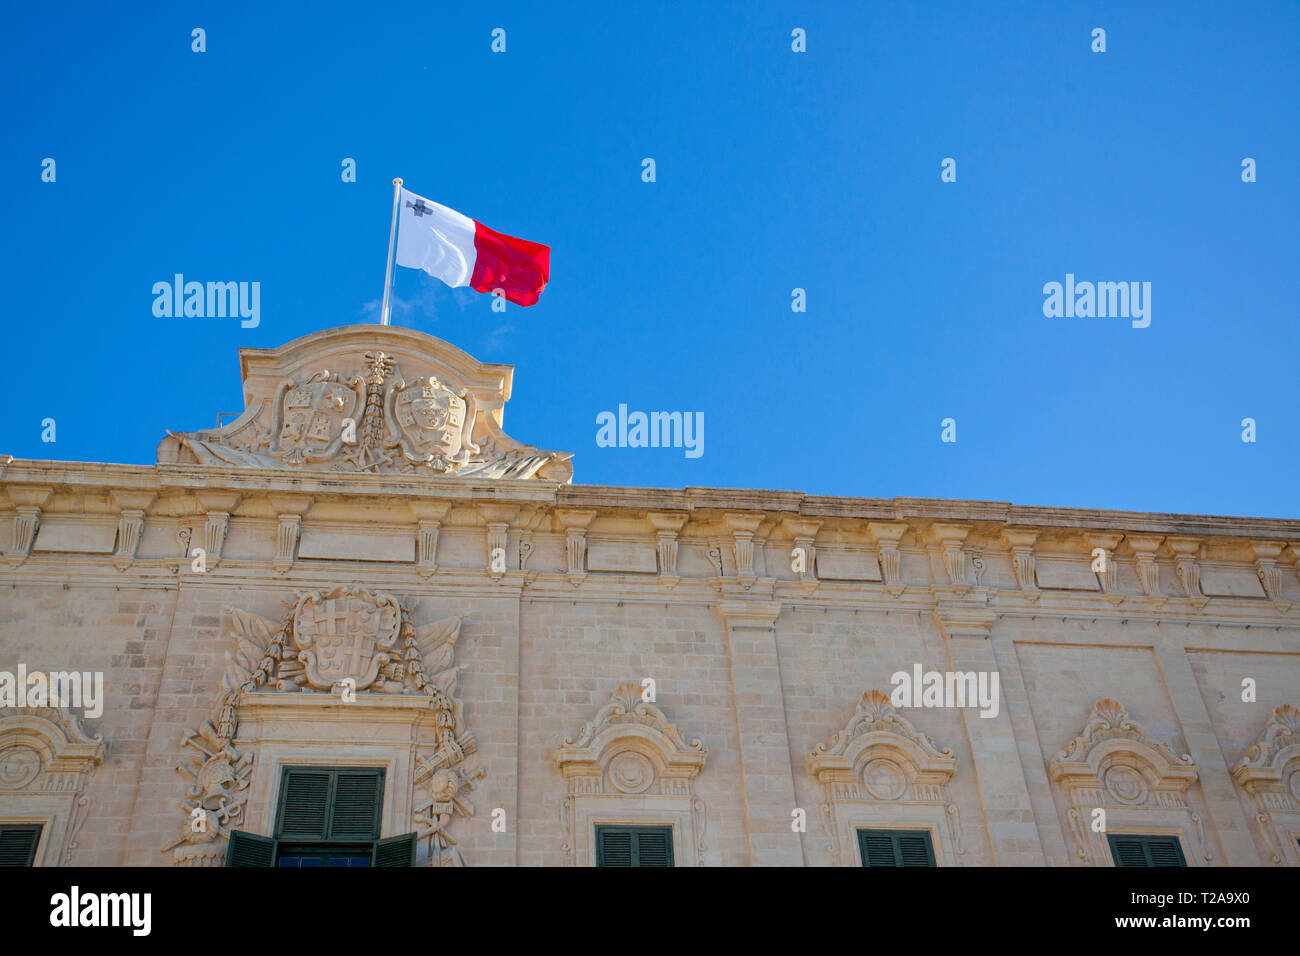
[880, 771]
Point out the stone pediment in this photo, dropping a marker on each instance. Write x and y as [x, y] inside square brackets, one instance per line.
[369, 399]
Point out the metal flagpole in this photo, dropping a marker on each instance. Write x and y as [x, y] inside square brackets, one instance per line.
[392, 235]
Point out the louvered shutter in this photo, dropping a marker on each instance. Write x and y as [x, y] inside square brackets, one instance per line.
[1146, 850]
[653, 846]
[18, 844]
[304, 804]
[249, 849]
[395, 851]
[914, 849]
[1165, 851]
[342, 805]
[357, 807]
[634, 846]
[896, 848]
[877, 848]
[613, 847]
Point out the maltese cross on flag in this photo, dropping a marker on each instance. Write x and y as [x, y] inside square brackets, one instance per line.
[462, 252]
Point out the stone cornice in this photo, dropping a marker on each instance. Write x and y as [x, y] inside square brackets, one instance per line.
[79, 477]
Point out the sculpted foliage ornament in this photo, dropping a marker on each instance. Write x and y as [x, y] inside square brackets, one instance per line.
[348, 640]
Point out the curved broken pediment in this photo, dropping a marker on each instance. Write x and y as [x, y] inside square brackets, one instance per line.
[627, 724]
[876, 733]
[370, 399]
[1110, 739]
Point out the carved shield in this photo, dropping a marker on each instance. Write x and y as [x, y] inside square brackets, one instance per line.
[346, 633]
[432, 420]
[311, 419]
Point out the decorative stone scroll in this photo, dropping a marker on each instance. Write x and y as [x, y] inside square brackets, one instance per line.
[1270, 772]
[46, 760]
[880, 770]
[346, 647]
[630, 765]
[370, 399]
[1141, 784]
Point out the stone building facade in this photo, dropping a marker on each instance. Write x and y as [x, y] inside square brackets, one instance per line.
[363, 574]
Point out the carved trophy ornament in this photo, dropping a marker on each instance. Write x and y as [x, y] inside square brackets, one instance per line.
[372, 416]
[349, 639]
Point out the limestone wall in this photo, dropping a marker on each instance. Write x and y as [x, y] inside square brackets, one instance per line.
[602, 587]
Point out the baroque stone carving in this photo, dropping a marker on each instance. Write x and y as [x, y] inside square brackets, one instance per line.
[1270, 575]
[1270, 772]
[880, 769]
[348, 640]
[630, 750]
[46, 761]
[1140, 782]
[371, 415]
[28, 503]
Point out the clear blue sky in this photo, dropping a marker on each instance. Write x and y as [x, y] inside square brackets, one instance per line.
[775, 170]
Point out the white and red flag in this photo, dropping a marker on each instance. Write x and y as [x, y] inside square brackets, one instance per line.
[462, 252]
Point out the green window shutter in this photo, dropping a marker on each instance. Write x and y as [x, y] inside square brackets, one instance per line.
[18, 844]
[249, 849]
[896, 848]
[357, 805]
[613, 847]
[330, 804]
[304, 804]
[395, 851]
[654, 847]
[634, 846]
[1131, 850]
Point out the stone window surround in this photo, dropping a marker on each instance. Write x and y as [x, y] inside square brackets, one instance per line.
[1160, 778]
[876, 732]
[54, 795]
[627, 725]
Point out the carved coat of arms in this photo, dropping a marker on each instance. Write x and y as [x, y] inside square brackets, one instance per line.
[433, 424]
[372, 418]
[349, 632]
[346, 633]
[309, 419]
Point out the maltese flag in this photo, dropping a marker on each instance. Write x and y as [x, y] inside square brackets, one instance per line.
[462, 252]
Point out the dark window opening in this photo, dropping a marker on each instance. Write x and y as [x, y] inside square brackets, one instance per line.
[325, 817]
[896, 848]
[18, 842]
[634, 846]
[1130, 850]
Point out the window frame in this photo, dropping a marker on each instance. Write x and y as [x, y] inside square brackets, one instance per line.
[1145, 839]
[300, 838]
[41, 829]
[634, 846]
[399, 850]
[895, 833]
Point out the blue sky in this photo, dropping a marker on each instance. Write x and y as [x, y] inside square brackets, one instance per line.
[775, 170]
